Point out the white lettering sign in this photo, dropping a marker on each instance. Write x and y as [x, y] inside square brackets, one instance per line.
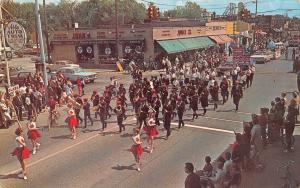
[15, 36]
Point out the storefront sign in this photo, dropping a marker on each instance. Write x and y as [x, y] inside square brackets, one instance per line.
[127, 49]
[15, 36]
[107, 51]
[138, 49]
[184, 32]
[89, 49]
[79, 50]
[11, 90]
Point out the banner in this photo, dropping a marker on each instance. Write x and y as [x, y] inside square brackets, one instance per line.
[239, 55]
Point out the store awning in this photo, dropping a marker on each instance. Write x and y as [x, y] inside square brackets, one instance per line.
[226, 38]
[221, 39]
[217, 39]
[172, 46]
[186, 44]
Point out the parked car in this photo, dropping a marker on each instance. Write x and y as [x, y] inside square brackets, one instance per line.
[19, 78]
[228, 66]
[73, 73]
[12, 70]
[59, 64]
[37, 59]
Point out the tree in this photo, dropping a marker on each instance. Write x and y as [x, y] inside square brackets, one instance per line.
[190, 10]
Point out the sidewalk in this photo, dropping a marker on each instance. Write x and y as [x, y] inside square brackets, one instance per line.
[273, 158]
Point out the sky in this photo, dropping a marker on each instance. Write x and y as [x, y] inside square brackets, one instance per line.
[279, 6]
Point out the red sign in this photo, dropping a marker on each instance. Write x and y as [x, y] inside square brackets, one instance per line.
[239, 55]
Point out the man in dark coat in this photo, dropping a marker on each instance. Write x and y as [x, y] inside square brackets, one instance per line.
[236, 94]
[180, 111]
[192, 180]
[167, 118]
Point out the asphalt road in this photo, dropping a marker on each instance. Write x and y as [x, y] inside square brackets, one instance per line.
[104, 160]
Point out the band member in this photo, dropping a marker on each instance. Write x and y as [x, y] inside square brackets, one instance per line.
[214, 92]
[167, 118]
[224, 89]
[132, 89]
[72, 123]
[86, 112]
[21, 151]
[156, 106]
[173, 99]
[151, 131]
[143, 114]
[136, 148]
[101, 111]
[119, 110]
[236, 93]
[77, 108]
[33, 134]
[180, 111]
[204, 99]
[194, 104]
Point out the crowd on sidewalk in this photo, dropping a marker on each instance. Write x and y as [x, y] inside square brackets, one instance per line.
[272, 125]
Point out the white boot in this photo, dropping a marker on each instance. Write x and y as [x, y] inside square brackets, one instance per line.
[34, 151]
[38, 145]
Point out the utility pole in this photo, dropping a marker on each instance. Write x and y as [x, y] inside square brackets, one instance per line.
[255, 24]
[3, 43]
[117, 28]
[42, 49]
[46, 31]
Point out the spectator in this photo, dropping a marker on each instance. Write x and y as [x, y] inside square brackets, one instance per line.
[208, 168]
[227, 164]
[18, 105]
[256, 139]
[192, 180]
[235, 176]
[218, 179]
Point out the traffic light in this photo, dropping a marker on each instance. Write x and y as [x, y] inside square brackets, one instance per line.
[156, 12]
[151, 12]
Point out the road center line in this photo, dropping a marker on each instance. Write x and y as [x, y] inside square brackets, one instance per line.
[207, 128]
[221, 119]
[63, 150]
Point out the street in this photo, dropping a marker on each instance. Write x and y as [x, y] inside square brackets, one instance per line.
[104, 160]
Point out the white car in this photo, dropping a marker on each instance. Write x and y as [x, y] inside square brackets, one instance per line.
[60, 64]
[73, 73]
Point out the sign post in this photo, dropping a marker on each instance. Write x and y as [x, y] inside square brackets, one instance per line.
[3, 43]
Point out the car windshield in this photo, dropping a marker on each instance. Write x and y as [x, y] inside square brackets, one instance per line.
[78, 70]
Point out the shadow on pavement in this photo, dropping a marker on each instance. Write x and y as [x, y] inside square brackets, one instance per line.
[123, 167]
[10, 176]
[61, 137]
[125, 135]
[231, 110]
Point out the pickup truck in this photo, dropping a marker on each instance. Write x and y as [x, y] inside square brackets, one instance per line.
[73, 73]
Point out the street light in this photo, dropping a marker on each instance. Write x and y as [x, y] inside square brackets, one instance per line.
[254, 29]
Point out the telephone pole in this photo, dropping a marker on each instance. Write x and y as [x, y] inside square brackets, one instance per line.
[255, 25]
[117, 27]
[42, 49]
[46, 31]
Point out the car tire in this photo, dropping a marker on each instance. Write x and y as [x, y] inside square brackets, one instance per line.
[9, 55]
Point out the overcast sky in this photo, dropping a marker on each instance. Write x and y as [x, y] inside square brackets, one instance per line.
[219, 6]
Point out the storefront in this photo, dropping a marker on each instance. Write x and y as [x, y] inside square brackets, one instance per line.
[98, 46]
